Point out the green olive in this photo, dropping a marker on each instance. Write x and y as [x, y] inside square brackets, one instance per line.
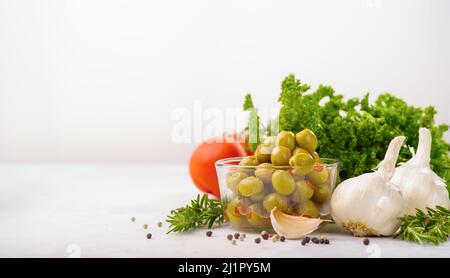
[258, 197]
[263, 153]
[276, 200]
[234, 179]
[292, 160]
[286, 139]
[308, 209]
[250, 186]
[264, 172]
[304, 163]
[304, 190]
[280, 156]
[232, 213]
[283, 182]
[322, 193]
[297, 177]
[249, 161]
[299, 150]
[307, 140]
[270, 141]
[316, 157]
[258, 217]
[232, 208]
[319, 175]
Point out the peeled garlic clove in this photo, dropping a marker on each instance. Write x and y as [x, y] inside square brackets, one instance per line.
[293, 227]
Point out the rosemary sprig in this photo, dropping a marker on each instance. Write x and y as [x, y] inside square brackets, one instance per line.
[202, 211]
[432, 226]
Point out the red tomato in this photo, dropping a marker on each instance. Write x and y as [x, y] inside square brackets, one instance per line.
[202, 163]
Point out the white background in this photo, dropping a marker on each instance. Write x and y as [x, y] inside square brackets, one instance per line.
[98, 80]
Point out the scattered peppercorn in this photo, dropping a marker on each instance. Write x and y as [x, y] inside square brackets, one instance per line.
[233, 242]
[265, 236]
[230, 237]
[366, 241]
[315, 240]
[327, 241]
[322, 241]
[275, 238]
[149, 235]
[133, 219]
[236, 235]
[258, 240]
[304, 242]
[308, 239]
[145, 226]
[159, 224]
[209, 233]
[282, 238]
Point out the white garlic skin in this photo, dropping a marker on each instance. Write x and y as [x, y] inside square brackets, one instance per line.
[419, 185]
[369, 205]
[370, 201]
[420, 188]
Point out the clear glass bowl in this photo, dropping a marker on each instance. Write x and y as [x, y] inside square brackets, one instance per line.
[310, 197]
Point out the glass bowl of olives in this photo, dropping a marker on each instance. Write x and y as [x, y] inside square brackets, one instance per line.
[285, 172]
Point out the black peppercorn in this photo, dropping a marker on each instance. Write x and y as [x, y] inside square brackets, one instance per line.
[304, 242]
[236, 235]
[230, 237]
[315, 240]
[308, 239]
[258, 240]
[209, 233]
[327, 241]
[282, 238]
[149, 235]
[366, 241]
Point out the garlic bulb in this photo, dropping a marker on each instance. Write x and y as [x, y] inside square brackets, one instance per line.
[419, 185]
[293, 227]
[369, 205]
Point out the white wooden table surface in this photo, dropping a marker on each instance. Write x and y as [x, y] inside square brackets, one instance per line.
[77, 210]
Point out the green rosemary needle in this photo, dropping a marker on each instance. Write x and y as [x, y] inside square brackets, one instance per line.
[432, 226]
[202, 211]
